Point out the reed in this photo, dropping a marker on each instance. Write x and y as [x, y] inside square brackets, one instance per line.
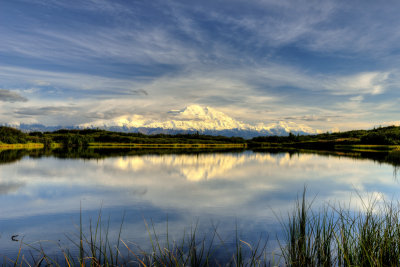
[198, 252]
[338, 236]
[333, 235]
[96, 249]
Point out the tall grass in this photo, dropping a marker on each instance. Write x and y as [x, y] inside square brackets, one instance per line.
[310, 236]
[94, 248]
[338, 236]
[333, 235]
[198, 252]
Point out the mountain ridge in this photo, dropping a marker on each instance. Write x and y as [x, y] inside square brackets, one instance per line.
[191, 119]
[206, 120]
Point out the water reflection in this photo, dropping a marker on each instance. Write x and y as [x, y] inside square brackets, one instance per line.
[200, 181]
[10, 156]
[41, 191]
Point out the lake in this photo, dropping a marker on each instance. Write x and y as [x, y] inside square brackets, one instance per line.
[236, 193]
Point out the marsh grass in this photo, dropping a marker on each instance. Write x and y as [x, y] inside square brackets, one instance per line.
[333, 235]
[192, 250]
[339, 236]
[93, 247]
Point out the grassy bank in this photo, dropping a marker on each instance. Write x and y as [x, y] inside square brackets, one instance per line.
[21, 146]
[368, 148]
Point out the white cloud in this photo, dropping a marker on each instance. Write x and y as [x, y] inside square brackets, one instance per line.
[366, 83]
[41, 83]
[275, 75]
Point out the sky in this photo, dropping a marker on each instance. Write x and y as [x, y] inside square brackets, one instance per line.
[331, 65]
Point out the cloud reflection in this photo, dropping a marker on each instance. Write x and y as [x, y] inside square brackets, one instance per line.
[8, 188]
[216, 187]
[228, 182]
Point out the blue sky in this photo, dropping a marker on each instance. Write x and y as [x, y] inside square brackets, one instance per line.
[327, 64]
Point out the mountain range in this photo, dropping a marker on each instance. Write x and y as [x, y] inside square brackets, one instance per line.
[191, 119]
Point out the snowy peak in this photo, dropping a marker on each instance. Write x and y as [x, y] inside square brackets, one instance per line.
[197, 118]
[198, 113]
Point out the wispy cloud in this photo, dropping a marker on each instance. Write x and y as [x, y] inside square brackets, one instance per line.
[361, 83]
[277, 23]
[43, 111]
[308, 118]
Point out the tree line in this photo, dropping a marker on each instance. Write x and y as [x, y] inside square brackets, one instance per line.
[389, 135]
[80, 138]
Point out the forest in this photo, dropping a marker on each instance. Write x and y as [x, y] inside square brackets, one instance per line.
[389, 135]
[71, 138]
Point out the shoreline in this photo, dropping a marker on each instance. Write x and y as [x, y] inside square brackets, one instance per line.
[172, 145]
[316, 146]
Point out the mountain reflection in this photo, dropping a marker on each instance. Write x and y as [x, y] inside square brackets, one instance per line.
[203, 166]
[187, 181]
[10, 156]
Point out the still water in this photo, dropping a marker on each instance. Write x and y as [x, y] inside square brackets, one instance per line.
[42, 194]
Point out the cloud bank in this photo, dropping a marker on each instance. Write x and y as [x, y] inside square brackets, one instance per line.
[258, 61]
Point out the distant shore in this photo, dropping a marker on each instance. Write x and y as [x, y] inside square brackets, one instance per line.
[383, 139]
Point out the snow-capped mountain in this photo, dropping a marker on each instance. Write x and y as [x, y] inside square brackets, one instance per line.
[191, 119]
[195, 118]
